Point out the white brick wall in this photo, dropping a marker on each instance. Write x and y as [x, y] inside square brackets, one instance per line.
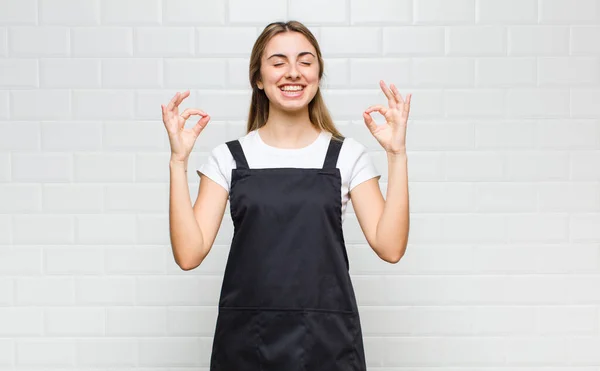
[502, 270]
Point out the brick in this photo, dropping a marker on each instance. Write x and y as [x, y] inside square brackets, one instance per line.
[21, 321]
[225, 41]
[129, 12]
[45, 352]
[474, 103]
[20, 261]
[21, 198]
[105, 290]
[69, 73]
[19, 73]
[538, 40]
[506, 134]
[444, 11]
[136, 321]
[502, 11]
[74, 321]
[538, 103]
[38, 41]
[537, 165]
[42, 167]
[584, 165]
[259, 11]
[196, 73]
[505, 72]
[335, 41]
[366, 72]
[71, 136]
[476, 41]
[104, 167]
[102, 41]
[92, 104]
[568, 134]
[407, 41]
[572, 71]
[563, 11]
[74, 260]
[69, 12]
[136, 198]
[583, 40]
[20, 136]
[40, 104]
[105, 229]
[437, 135]
[164, 41]
[381, 12]
[330, 12]
[435, 72]
[106, 352]
[18, 12]
[506, 197]
[132, 73]
[46, 291]
[191, 12]
[584, 103]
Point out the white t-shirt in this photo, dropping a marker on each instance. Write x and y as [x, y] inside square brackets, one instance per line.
[354, 161]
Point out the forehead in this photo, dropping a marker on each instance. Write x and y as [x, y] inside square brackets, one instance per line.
[288, 43]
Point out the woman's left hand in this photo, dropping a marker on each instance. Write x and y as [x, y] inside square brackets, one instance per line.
[392, 135]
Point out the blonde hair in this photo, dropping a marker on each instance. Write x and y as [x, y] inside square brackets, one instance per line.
[259, 107]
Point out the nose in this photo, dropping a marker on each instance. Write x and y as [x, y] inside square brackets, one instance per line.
[292, 72]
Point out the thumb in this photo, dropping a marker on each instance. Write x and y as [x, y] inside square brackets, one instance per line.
[371, 125]
[200, 125]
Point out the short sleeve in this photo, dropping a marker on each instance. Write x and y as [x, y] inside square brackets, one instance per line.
[364, 168]
[217, 166]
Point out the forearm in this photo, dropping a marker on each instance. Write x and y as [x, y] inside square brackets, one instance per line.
[185, 233]
[393, 226]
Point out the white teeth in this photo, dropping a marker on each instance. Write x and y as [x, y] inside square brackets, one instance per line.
[292, 88]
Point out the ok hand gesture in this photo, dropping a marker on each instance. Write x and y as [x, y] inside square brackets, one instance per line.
[392, 135]
[182, 140]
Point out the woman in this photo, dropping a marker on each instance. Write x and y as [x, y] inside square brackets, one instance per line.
[287, 301]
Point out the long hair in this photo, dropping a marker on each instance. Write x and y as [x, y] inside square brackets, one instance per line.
[259, 107]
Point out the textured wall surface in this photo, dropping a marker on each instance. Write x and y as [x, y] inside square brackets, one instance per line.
[502, 271]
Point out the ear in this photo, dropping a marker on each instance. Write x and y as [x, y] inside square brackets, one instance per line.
[259, 84]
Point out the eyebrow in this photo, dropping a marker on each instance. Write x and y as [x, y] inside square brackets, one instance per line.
[301, 54]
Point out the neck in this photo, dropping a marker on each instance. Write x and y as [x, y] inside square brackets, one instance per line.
[286, 129]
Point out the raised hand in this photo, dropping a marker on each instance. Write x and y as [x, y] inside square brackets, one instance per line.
[181, 139]
[391, 135]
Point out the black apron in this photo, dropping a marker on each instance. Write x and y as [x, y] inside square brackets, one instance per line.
[287, 301]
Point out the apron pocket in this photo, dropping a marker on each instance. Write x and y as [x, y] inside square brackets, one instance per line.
[331, 341]
[234, 345]
[281, 338]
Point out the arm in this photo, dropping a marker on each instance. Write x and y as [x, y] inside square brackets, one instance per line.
[385, 223]
[193, 229]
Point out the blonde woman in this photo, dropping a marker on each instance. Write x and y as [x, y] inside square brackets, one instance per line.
[287, 302]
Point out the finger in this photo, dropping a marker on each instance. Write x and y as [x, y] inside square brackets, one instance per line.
[192, 111]
[182, 96]
[201, 124]
[371, 124]
[171, 104]
[378, 107]
[407, 103]
[397, 94]
[388, 93]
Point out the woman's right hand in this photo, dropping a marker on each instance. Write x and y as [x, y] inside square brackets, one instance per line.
[181, 139]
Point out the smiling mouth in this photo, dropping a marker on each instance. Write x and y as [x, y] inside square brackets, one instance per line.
[291, 88]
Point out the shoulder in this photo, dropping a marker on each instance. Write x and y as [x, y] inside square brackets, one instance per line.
[352, 149]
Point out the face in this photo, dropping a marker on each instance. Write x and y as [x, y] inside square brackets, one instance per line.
[289, 71]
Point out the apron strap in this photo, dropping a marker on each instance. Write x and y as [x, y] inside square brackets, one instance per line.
[332, 153]
[238, 154]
